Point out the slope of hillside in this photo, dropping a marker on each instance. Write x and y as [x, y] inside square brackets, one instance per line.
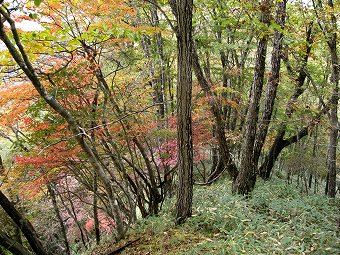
[278, 219]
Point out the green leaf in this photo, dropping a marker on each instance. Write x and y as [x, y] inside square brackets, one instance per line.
[37, 2]
[276, 26]
[33, 15]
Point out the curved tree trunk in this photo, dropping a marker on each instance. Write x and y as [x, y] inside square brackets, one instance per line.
[224, 150]
[245, 181]
[279, 142]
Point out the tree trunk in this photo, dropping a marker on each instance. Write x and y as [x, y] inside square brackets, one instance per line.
[313, 171]
[334, 129]
[245, 181]
[327, 184]
[279, 142]
[160, 54]
[224, 150]
[275, 150]
[273, 83]
[183, 11]
[95, 208]
[2, 168]
[155, 82]
[315, 184]
[25, 226]
[12, 246]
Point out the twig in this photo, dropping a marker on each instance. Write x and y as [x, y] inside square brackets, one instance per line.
[211, 181]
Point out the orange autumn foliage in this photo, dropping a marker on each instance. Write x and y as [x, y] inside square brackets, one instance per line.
[15, 98]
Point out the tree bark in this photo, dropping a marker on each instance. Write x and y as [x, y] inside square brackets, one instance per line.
[183, 11]
[12, 246]
[160, 54]
[2, 168]
[95, 208]
[279, 142]
[334, 129]
[25, 226]
[245, 181]
[273, 83]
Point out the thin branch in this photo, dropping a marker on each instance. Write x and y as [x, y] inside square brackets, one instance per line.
[326, 108]
[166, 16]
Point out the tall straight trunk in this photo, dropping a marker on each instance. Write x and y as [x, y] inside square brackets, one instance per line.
[334, 129]
[155, 55]
[245, 181]
[273, 82]
[183, 12]
[155, 82]
[332, 147]
[25, 226]
[94, 174]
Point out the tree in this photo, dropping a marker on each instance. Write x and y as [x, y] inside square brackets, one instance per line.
[25, 226]
[331, 33]
[246, 178]
[183, 13]
[11, 245]
[20, 56]
[279, 142]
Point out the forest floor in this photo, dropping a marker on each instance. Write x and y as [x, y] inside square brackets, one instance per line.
[278, 219]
